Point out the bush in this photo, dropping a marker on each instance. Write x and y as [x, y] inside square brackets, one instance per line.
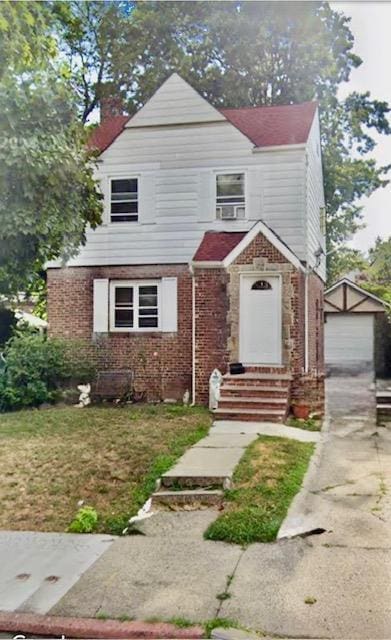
[7, 324]
[34, 369]
[85, 521]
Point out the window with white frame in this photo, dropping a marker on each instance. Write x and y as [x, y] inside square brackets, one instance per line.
[230, 196]
[134, 306]
[124, 199]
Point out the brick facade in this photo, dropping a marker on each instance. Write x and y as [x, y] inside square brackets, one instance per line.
[162, 362]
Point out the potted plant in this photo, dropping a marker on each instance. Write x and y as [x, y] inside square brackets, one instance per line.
[301, 409]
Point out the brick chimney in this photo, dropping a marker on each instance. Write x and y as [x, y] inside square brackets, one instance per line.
[110, 106]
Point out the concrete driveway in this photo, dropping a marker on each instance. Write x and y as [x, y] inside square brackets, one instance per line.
[337, 584]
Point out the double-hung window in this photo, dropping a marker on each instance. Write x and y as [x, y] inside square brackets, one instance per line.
[230, 196]
[124, 200]
[134, 305]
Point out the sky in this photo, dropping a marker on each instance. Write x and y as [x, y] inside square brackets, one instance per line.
[371, 27]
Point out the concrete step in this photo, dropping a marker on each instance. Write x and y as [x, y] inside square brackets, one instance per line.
[186, 482]
[187, 497]
[254, 415]
[231, 390]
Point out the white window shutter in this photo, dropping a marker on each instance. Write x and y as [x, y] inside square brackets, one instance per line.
[101, 306]
[169, 304]
[254, 191]
[147, 199]
[206, 196]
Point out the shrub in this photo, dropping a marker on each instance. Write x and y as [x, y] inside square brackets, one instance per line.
[85, 521]
[34, 369]
[7, 324]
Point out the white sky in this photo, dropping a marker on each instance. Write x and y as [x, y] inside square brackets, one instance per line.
[371, 27]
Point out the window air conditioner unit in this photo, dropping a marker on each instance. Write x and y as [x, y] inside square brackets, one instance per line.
[230, 212]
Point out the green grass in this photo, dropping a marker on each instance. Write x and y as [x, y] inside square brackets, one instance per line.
[311, 424]
[267, 478]
[108, 457]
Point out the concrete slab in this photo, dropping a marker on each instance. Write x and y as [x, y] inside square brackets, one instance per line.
[299, 590]
[37, 569]
[219, 440]
[266, 429]
[169, 572]
[205, 462]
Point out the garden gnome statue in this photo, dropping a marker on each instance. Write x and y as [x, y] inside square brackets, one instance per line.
[215, 381]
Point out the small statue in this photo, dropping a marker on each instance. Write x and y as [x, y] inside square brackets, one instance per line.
[215, 382]
[84, 398]
[186, 397]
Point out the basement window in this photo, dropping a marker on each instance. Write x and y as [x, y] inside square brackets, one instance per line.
[134, 306]
[124, 200]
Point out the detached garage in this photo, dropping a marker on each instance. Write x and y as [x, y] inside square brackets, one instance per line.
[350, 318]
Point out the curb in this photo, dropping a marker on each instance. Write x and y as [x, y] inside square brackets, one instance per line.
[293, 524]
[53, 626]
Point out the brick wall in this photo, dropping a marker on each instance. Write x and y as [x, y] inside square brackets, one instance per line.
[211, 328]
[162, 362]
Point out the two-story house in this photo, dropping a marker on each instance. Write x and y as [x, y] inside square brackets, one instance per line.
[211, 251]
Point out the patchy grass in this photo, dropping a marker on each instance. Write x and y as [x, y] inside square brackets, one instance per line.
[268, 476]
[311, 424]
[108, 457]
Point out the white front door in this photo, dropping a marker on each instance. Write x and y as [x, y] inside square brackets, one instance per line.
[260, 319]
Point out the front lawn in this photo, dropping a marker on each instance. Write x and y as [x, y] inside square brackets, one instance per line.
[108, 457]
[267, 478]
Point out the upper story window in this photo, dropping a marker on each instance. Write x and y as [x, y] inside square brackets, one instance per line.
[230, 196]
[124, 200]
[134, 306]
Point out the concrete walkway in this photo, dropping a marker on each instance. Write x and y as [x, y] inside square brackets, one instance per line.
[219, 452]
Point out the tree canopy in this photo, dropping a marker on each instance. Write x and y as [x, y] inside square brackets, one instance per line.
[48, 194]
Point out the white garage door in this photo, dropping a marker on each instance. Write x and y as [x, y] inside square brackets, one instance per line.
[349, 341]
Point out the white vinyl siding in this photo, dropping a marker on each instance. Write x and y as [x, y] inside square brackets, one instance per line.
[349, 340]
[315, 201]
[177, 165]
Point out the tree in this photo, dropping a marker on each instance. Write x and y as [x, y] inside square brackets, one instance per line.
[48, 193]
[240, 53]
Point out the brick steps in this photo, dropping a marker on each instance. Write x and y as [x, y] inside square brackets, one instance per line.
[254, 402]
[255, 415]
[260, 394]
[232, 391]
[256, 377]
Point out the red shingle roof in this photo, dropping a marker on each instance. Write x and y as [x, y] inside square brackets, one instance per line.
[269, 126]
[216, 245]
[264, 126]
[106, 132]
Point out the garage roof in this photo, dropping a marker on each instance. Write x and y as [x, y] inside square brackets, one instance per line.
[346, 296]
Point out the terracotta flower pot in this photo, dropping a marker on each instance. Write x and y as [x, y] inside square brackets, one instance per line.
[301, 411]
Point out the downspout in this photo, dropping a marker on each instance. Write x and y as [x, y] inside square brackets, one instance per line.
[193, 338]
[306, 323]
